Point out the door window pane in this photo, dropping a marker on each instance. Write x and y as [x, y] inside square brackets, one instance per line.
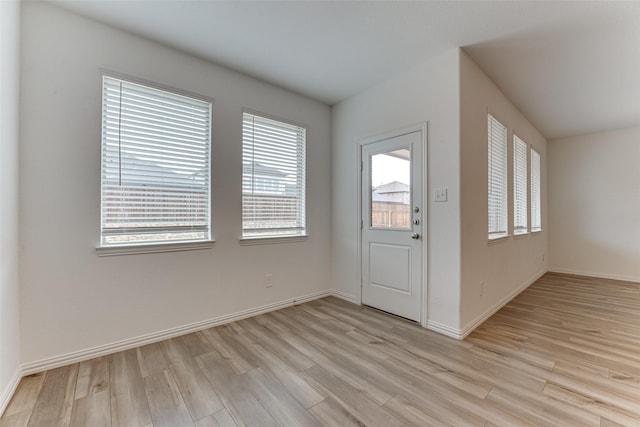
[391, 189]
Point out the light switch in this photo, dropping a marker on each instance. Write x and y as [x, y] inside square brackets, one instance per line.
[440, 195]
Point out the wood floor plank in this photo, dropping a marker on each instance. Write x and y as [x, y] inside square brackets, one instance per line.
[245, 409]
[351, 400]
[196, 343]
[329, 414]
[21, 419]
[565, 352]
[411, 413]
[199, 397]
[286, 374]
[92, 410]
[151, 359]
[129, 404]
[591, 405]
[217, 338]
[26, 394]
[277, 345]
[222, 418]
[362, 384]
[165, 401]
[93, 377]
[604, 422]
[541, 412]
[55, 401]
[277, 401]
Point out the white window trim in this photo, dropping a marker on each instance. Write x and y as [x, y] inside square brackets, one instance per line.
[133, 249]
[516, 231]
[267, 240]
[501, 234]
[285, 238]
[160, 246]
[500, 238]
[539, 201]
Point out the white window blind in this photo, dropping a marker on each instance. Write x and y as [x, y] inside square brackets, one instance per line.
[497, 178]
[519, 186]
[536, 216]
[273, 177]
[155, 165]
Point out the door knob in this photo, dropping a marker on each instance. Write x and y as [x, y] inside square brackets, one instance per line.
[415, 236]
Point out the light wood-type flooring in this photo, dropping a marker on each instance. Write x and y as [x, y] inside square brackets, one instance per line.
[566, 352]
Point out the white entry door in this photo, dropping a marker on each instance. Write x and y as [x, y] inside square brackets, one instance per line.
[392, 225]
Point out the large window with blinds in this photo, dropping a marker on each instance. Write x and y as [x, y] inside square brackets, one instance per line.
[155, 165]
[536, 215]
[273, 178]
[497, 185]
[520, 193]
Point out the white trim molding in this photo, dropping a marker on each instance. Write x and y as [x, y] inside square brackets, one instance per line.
[443, 329]
[622, 277]
[269, 240]
[102, 350]
[8, 392]
[345, 296]
[150, 248]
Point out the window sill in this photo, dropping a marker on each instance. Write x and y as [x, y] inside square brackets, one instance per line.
[251, 241]
[153, 248]
[539, 230]
[521, 234]
[499, 238]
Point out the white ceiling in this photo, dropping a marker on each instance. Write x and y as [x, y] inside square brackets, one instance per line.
[570, 67]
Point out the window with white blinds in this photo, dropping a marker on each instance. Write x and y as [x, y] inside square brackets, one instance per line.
[155, 165]
[519, 186]
[536, 215]
[273, 178]
[497, 178]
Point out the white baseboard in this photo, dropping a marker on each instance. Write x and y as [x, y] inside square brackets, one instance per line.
[345, 296]
[443, 329]
[491, 311]
[595, 274]
[103, 350]
[9, 390]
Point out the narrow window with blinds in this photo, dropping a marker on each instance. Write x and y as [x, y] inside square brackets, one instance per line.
[155, 165]
[519, 186]
[497, 197]
[273, 178]
[536, 215]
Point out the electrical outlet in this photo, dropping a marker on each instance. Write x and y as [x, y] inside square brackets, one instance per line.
[481, 288]
[268, 280]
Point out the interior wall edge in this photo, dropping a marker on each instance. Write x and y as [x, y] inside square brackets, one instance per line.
[471, 326]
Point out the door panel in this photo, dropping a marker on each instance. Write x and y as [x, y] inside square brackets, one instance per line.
[392, 225]
[390, 267]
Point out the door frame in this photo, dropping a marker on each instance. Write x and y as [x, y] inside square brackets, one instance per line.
[418, 127]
